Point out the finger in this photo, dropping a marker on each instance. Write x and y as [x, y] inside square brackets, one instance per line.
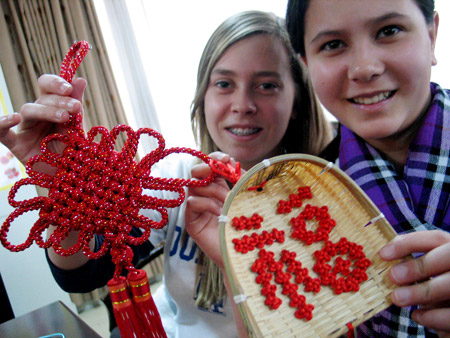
[203, 228]
[7, 136]
[79, 85]
[436, 305]
[203, 170]
[434, 290]
[54, 84]
[60, 102]
[443, 334]
[437, 319]
[215, 191]
[199, 205]
[219, 156]
[429, 265]
[34, 112]
[420, 241]
[200, 171]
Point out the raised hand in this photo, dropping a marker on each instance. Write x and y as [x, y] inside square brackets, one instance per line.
[203, 206]
[425, 281]
[36, 120]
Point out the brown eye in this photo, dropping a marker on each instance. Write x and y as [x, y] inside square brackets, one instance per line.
[332, 45]
[268, 86]
[388, 31]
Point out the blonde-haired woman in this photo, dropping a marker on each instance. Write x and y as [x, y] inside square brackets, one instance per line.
[306, 130]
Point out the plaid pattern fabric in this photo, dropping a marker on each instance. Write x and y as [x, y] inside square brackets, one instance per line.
[417, 200]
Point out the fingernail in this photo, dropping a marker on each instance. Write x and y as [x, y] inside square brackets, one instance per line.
[399, 272]
[402, 295]
[64, 87]
[59, 113]
[6, 117]
[70, 104]
[387, 252]
[417, 316]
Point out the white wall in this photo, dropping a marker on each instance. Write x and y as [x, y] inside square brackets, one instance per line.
[441, 72]
[26, 274]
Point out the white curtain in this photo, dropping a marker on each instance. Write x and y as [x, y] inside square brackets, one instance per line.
[132, 69]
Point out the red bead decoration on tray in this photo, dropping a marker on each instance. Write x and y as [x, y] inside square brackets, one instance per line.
[294, 201]
[244, 223]
[345, 276]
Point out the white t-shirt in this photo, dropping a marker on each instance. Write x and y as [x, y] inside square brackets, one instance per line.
[175, 299]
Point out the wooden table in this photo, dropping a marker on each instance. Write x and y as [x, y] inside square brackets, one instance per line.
[51, 319]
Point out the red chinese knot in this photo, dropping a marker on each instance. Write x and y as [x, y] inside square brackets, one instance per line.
[97, 190]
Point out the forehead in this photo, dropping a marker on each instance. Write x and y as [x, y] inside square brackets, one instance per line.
[340, 14]
[255, 51]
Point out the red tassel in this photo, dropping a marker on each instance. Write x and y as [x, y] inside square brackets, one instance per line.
[351, 330]
[126, 318]
[145, 306]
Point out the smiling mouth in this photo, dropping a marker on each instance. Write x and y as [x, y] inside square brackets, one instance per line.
[244, 131]
[374, 99]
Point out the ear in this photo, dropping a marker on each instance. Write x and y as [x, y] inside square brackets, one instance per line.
[304, 60]
[432, 31]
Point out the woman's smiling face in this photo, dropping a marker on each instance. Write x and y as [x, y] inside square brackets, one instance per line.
[249, 99]
[370, 63]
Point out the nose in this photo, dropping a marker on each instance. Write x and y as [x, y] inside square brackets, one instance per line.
[243, 102]
[365, 64]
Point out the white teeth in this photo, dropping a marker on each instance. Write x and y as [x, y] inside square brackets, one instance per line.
[373, 99]
[243, 131]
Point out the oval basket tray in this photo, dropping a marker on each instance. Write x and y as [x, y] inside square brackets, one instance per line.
[357, 219]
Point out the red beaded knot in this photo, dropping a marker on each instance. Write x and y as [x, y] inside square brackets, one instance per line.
[97, 190]
[245, 223]
[350, 279]
[249, 243]
[325, 225]
[232, 174]
[294, 201]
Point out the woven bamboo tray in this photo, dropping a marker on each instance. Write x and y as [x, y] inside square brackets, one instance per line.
[348, 206]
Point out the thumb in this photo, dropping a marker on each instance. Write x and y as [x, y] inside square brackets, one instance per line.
[79, 85]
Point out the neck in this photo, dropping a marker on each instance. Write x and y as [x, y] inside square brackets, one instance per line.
[396, 146]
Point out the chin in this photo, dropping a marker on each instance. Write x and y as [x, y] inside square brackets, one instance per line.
[373, 130]
[378, 136]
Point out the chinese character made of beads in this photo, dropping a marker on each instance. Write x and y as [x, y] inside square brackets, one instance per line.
[300, 246]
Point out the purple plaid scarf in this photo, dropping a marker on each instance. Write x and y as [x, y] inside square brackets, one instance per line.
[417, 200]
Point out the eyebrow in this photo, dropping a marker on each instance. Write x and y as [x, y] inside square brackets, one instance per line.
[371, 22]
[263, 73]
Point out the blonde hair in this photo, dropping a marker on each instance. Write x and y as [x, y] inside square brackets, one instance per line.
[308, 132]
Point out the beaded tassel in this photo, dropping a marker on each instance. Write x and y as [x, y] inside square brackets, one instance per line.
[144, 304]
[124, 310]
